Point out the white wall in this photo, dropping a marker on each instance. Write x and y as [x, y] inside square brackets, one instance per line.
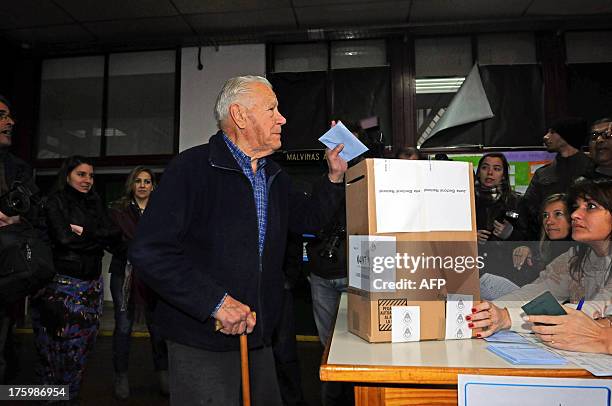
[199, 89]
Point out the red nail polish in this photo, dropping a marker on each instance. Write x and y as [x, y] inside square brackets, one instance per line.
[473, 310]
[470, 325]
[468, 317]
[478, 335]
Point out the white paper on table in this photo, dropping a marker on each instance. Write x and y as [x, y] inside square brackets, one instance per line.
[411, 195]
[457, 307]
[597, 364]
[481, 390]
[362, 251]
[405, 324]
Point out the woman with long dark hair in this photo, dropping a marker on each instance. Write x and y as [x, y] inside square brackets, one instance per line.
[66, 313]
[583, 272]
[127, 291]
[494, 198]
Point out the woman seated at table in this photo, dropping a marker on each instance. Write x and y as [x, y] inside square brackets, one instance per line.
[582, 272]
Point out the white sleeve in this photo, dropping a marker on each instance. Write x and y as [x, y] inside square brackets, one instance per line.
[601, 304]
[554, 278]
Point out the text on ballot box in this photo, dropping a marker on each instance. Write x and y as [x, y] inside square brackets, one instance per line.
[479, 390]
[439, 191]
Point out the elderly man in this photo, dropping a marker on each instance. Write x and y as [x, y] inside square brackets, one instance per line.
[211, 244]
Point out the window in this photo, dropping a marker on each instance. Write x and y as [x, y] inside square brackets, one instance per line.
[517, 48]
[589, 61]
[358, 54]
[139, 118]
[441, 65]
[300, 58]
[140, 104]
[319, 82]
[509, 74]
[71, 107]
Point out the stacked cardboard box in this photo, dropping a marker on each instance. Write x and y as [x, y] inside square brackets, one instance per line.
[371, 296]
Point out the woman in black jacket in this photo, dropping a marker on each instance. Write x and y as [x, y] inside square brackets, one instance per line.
[127, 290]
[494, 199]
[66, 313]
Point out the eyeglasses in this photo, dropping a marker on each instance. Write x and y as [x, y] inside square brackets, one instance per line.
[605, 134]
[6, 117]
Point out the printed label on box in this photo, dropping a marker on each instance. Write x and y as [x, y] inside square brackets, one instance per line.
[406, 324]
[362, 251]
[385, 313]
[457, 307]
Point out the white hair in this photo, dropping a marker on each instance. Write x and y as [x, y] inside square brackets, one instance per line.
[232, 91]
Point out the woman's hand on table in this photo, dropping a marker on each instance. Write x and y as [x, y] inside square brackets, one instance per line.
[489, 317]
[573, 332]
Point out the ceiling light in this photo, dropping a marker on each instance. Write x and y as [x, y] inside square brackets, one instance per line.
[439, 85]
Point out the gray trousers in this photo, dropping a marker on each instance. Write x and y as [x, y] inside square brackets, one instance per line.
[200, 377]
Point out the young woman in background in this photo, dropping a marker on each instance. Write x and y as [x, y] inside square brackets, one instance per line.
[66, 313]
[494, 198]
[556, 237]
[127, 291]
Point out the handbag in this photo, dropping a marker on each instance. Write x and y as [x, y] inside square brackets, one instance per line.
[26, 262]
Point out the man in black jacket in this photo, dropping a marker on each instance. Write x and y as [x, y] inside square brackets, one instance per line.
[565, 137]
[11, 169]
[212, 241]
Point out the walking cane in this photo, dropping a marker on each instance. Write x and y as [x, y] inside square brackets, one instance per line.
[244, 367]
[244, 364]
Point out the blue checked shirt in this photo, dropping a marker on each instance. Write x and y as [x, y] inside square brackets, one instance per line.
[258, 182]
[260, 193]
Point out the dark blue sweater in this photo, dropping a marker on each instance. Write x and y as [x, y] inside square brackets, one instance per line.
[198, 239]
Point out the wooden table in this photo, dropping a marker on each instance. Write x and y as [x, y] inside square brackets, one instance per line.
[418, 373]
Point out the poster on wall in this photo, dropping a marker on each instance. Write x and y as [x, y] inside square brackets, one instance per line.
[522, 165]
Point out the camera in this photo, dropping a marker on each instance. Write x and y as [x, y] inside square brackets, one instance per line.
[17, 200]
[511, 216]
[332, 243]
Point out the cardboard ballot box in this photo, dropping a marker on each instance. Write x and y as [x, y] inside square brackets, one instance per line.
[412, 252]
